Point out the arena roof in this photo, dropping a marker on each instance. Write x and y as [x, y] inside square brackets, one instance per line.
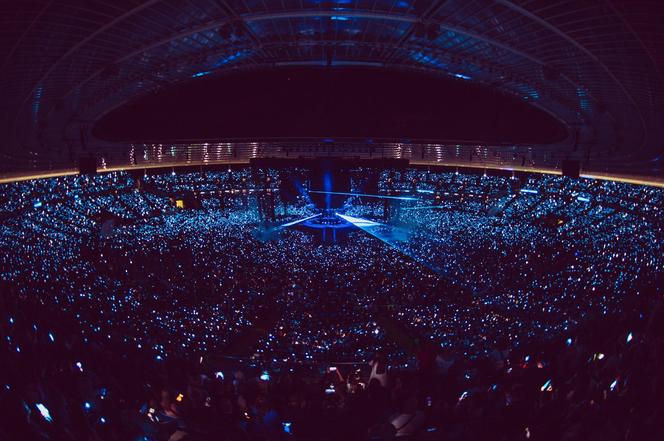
[595, 64]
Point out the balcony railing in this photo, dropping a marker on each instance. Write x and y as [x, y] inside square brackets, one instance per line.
[112, 157]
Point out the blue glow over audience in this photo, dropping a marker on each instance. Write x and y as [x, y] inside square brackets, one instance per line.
[499, 304]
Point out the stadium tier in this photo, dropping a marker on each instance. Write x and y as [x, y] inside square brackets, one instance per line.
[260, 296]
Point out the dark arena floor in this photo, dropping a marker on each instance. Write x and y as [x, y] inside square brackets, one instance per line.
[331, 220]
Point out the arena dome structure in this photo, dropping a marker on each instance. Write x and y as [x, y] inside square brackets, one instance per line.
[323, 220]
[595, 66]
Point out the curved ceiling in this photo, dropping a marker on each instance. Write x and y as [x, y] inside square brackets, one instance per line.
[336, 102]
[595, 64]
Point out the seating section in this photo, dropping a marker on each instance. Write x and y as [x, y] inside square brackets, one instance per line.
[517, 308]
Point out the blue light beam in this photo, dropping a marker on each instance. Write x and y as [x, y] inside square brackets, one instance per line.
[392, 236]
[379, 196]
[359, 222]
[426, 207]
[295, 222]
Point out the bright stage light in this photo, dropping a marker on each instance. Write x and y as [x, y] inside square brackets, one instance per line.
[44, 412]
[359, 222]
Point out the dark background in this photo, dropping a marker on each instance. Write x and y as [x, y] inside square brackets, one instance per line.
[330, 102]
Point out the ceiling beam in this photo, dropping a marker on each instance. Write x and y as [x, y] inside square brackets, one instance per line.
[82, 43]
[539, 20]
[304, 14]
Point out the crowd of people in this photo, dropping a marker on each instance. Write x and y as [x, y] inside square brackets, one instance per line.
[522, 308]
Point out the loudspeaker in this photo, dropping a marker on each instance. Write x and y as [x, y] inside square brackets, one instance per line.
[87, 165]
[571, 168]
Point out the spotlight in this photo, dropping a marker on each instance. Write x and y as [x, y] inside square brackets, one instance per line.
[44, 412]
